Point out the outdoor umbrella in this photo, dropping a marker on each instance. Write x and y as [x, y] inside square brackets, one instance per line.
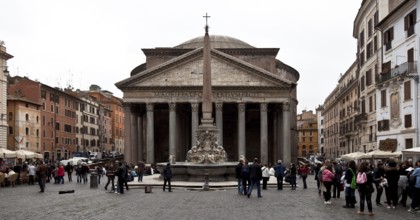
[24, 154]
[4, 153]
[352, 156]
[381, 154]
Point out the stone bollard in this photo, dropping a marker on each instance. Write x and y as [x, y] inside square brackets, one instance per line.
[206, 186]
[94, 180]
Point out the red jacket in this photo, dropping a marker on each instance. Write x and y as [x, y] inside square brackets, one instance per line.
[60, 170]
[327, 175]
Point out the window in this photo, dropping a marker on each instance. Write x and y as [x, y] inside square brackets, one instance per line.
[10, 130]
[362, 39]
[362, 57]
[407, 121]
[10, 116]
[27, 117]
[383, 98]
[370, 28]
[408, 143]
[369, 51]
[407, 90]
[409, 22]
[388, 37]
[383, 125]
[386, 67]
[375, 44]
[362, 83]
[369, 78]
[27, 131]
[370, 104]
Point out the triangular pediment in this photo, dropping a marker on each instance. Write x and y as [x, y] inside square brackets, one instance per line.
[187, 71]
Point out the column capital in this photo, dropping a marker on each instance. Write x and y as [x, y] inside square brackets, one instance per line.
[286, 106]
[263, 107]
[241, 107]
[172, 106]
[194, 107]
[149, 107]
[219, 106]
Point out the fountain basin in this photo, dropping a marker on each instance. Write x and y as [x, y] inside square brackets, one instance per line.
[186, 171]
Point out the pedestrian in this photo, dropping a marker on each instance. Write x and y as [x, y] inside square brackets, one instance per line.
[69, 169]
[318, 180]
[32, 172]
[403, 183]
[350, 185]
[415, 183]
[99, 171]
[327, 179]
[42, 172]
[279, 174]
[121, 173]
[293, 173]
[265, 175]
[392, 176]
[140, 170]
[84, 170]
[304, 171]
[245, 177]
[111, 177]
[60, 174]
[238, 173]
[379, 174]
[365, 187]
[167, 176]
[255, 174]
[338, 173]
[126, 176]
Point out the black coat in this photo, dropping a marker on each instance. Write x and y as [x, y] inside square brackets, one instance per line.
[238, 171]
[255, 172]
[167, 172]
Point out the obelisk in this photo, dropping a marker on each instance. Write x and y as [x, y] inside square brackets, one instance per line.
[207, 107]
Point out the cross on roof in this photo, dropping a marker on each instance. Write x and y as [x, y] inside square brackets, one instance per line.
[207, 26]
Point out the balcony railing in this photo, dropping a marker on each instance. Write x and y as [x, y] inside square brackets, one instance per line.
[399, 70]
[360, 118]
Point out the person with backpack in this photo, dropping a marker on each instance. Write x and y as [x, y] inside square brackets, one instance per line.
[364, 183]
[378, 178]
[279, 174]
[350, 185]
[245, 177]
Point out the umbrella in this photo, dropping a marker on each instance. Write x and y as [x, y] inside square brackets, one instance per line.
[24, 154]
[4, 153]
[381, 154]
[352, 156]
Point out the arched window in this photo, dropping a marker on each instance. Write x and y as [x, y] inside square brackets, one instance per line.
[27, 117]
[27, 131]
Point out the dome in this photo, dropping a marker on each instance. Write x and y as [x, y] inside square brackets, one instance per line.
[217, 41]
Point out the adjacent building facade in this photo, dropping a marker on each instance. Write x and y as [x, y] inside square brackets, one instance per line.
[4, 73]
[307, 129]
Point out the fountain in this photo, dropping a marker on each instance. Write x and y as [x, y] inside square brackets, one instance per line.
[206, 159]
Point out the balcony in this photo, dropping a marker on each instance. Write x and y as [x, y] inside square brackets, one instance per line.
[360, 118]
[399, 70]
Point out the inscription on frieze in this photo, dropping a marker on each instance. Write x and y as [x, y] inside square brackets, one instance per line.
[199, 94]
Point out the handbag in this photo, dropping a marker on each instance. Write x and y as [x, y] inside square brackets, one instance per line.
[287, 178]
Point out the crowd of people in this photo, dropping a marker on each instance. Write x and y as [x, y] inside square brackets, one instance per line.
[398, 180]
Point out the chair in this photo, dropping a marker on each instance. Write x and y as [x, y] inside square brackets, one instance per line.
[24, 177]
[2, 180]
[12, 179]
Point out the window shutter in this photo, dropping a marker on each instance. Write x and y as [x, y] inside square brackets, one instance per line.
[406, 22]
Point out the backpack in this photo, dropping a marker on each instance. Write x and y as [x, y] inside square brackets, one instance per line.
[353, 183]
[245, 171]
[361, 178]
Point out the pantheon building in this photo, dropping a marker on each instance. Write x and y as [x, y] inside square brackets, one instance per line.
[253, 95]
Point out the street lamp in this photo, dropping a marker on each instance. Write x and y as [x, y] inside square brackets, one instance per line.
[5, 71]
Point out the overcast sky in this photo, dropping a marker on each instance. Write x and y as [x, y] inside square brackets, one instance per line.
[84, 42]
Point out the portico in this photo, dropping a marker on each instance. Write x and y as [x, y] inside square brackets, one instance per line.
[254, 102]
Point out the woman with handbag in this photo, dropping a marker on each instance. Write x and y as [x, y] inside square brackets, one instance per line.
[365, 185]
